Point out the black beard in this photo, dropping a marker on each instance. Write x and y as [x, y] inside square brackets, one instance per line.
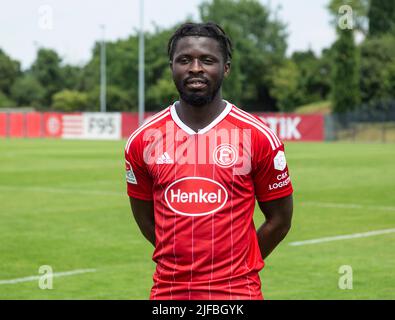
[197, 100]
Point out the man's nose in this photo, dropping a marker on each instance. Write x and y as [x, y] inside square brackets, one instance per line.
[196, 66]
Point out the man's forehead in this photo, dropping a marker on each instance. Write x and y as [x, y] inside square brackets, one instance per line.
[197, 45]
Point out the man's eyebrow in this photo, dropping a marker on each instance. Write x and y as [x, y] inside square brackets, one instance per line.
[205, 55]
[209, 56]
[183, 55]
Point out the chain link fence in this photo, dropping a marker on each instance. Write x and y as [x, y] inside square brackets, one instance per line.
[368, 123]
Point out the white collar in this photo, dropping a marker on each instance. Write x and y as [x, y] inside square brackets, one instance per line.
[188, 130]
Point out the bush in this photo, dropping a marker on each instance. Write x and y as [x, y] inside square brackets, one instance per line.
[116, 99]
[69, 100]
[6, 102]
[285, 86]
[27, 91]
[377, 68]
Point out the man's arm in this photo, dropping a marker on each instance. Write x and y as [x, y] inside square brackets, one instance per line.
[143, 212]
[278, 214]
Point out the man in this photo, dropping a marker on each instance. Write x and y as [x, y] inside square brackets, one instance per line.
[193, 173]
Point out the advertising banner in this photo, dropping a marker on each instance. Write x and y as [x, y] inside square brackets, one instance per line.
[115, 126]
[296, 127]
[102, 126]
[52, 126]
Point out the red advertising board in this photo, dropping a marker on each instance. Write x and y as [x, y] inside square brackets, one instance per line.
[130, 122]
[16, 125]
[33, 125]
[3, 124]
[289, 127]
[296, 127]
[52, 125]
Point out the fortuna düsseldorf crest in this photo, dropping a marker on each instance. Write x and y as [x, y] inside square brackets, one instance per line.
[225, 155]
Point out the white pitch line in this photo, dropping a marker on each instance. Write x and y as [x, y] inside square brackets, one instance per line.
[55, 274]
[342, 237]
[123, 194]
[63, 190]
[347, 206]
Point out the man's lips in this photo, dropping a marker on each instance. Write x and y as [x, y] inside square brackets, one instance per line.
[196, 83]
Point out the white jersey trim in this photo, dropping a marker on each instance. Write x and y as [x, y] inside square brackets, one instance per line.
[261, 124]
[190, 131]
[257, 127]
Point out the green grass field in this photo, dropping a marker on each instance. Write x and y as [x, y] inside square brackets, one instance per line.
[63, 204]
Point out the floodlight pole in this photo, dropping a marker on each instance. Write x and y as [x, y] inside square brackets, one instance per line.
[141, 64]
[103, 84]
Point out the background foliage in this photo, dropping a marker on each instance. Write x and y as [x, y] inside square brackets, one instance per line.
[263, 77]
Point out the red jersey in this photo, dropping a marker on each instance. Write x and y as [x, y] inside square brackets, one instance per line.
[204, 185]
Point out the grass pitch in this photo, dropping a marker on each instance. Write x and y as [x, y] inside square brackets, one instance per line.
[63, 204]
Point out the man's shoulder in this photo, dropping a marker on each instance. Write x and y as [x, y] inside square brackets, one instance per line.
[260, 129]
[246, 119]
[153, 122]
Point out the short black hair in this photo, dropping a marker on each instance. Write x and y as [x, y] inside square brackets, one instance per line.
[209, 29]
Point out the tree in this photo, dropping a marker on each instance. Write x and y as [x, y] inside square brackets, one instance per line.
[121, 72]
[27, 91]
[345, 80]
[259, 46]
[260, 49]
[377, 68]
[285, 88]
[9, 71]
[90, 73]
[381, 17]
[163, 92]
[116, 99]
[47, 70]
[71, 76]
[345, 73]
[314, 75]
[69, 100]
[324, 71]
[390, 83]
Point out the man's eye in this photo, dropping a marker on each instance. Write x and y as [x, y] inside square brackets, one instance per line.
[208, 61]
[184, 60]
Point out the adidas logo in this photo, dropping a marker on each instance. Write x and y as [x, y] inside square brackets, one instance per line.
[164, 159]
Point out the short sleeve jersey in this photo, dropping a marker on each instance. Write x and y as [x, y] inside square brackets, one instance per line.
[204, 185]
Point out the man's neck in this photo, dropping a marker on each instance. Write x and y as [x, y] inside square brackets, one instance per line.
[197, 118]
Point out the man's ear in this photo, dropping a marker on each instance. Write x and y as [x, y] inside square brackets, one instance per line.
[227, 68]
[171, 65]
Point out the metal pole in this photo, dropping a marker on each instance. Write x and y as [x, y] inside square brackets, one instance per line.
[141, 64]
[103, 106]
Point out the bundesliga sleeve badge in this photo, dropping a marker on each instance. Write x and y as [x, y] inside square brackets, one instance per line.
[130, 177]
[279, 161]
